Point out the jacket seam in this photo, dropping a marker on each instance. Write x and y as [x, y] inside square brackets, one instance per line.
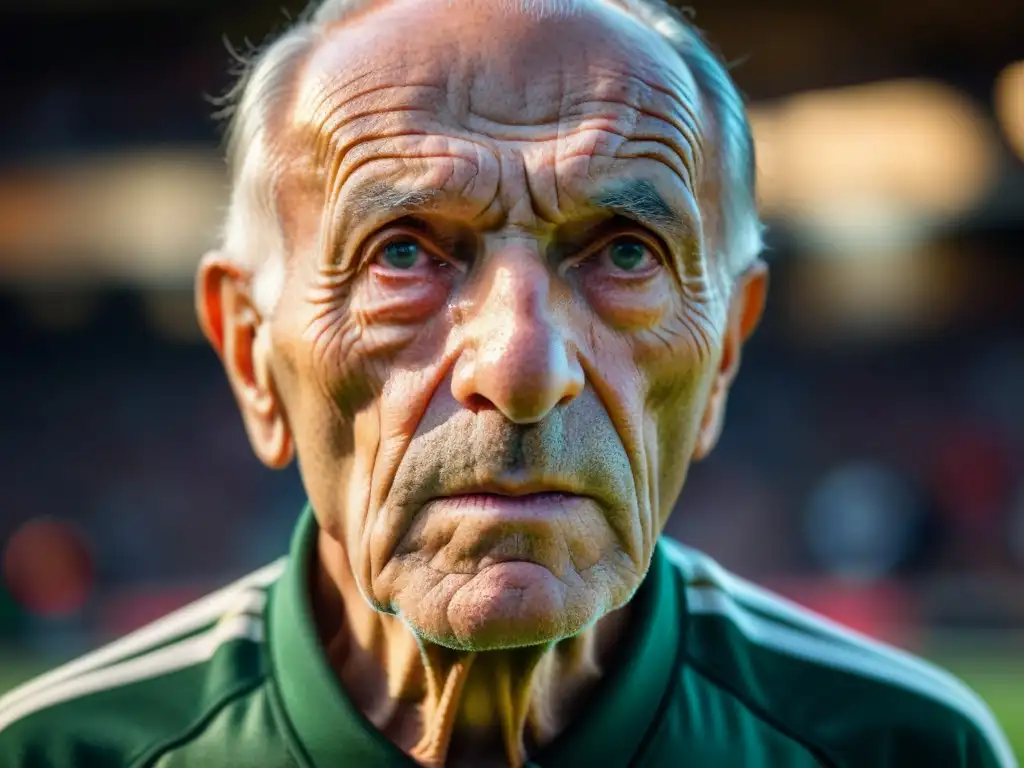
[659, 713]
[154, 751]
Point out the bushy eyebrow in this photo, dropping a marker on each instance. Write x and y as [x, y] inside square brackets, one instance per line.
[639, 199]
[636, 199]
[377, 197]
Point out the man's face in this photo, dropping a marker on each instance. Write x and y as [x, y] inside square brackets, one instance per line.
[499, 333]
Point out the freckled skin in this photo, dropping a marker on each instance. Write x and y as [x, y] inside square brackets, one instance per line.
[514, 352]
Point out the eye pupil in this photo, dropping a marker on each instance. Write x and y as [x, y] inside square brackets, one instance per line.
[627, 254]
[401, 254]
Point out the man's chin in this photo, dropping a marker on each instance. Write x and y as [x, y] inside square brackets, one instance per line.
[510, 604]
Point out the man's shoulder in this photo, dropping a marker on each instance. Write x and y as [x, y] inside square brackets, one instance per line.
[127, 702]
[846, 697]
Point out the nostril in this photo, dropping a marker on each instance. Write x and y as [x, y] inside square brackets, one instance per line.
[477, 402]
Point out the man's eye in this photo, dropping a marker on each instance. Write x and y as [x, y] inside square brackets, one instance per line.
[629, 255]
[401, 254]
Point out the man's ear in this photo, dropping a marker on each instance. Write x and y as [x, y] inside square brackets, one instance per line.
[745, 309]
[233, 325]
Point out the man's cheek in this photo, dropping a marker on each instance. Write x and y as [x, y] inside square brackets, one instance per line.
[389, 427]
[678, 354]
[679, 362]
[359, 505]
[674, 436]
[349, 362]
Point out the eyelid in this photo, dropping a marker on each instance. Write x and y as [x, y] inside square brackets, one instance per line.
[628, 231]
[404, 230]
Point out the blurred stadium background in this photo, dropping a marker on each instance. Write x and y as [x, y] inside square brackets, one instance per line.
[873, 464]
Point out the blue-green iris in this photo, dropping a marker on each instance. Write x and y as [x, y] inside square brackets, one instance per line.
[402, 254]
[627, 255]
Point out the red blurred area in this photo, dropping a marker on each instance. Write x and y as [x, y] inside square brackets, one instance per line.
[882, 610]
[48, 568]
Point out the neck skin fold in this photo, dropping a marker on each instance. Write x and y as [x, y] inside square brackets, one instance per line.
[452, 708]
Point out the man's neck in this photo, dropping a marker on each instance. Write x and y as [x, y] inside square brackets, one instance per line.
[445, 707]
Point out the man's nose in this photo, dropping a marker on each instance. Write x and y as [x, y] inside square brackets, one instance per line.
[517, 359]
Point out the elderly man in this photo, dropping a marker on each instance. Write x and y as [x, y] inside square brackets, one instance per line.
[487, 273]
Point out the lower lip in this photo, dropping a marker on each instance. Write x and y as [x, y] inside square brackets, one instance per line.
[538, 505]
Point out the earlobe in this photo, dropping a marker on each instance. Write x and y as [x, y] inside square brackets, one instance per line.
[745, 311]
[241, 339]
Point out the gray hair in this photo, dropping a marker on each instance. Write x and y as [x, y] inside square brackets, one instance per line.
[252, 233]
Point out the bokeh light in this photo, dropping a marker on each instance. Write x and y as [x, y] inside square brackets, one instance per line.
[910, 147]
[48, 568]
[1009, 104]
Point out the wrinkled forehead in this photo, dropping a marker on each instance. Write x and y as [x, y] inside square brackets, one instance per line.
[511, 62]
